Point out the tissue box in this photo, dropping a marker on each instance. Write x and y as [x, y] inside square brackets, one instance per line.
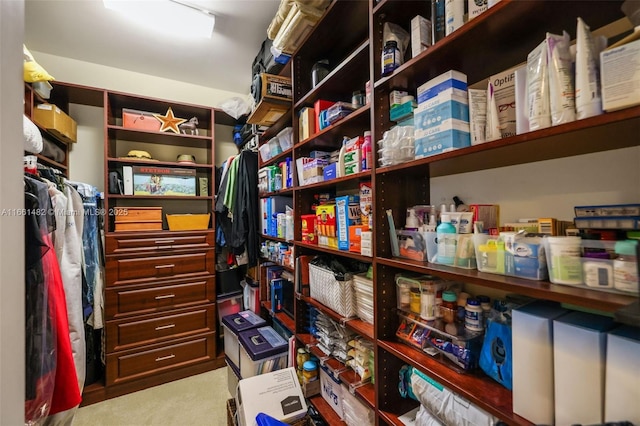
[440, 142]
[448, 80]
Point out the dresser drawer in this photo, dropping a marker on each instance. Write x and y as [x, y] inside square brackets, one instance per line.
[134, 365]
[158, 242]
[150, 329]
[132, 270]
[125, 301]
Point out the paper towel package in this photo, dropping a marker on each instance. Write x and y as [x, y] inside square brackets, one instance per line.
[532, 348]
[579, 350]
[277, 394]
[622, 372]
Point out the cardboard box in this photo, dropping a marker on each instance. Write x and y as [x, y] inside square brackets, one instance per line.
[620, 76]
[277, 394]
[55, 121]
[326, 225]
[438, 143]
[532, 355]
[163, 181]
[331, 391]
[355, 237]
[448, 80]
[622, 388]
[420, 35]
[140, 120]
[347, 214]
[309, 228]
[504, 88]
[330, 171]
[306, 123]
[445, 112]
[579, 349]
[275, 87]
[475, 8]
[269, 111]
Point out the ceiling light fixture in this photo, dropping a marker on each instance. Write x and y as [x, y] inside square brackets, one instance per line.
[168, 16]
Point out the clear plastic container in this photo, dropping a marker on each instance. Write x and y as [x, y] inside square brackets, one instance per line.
[338, 111]
[285, 138]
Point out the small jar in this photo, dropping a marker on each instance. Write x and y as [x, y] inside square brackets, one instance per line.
[319, 71]
[625, 266]
[473, 319]
[309, 372]
[462, 303]
[415, 302]
[485, 304]
[302, 357]
[449, 306]
[390, 57]
[357, 99]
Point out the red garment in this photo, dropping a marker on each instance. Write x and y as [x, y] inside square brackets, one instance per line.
[66, 393]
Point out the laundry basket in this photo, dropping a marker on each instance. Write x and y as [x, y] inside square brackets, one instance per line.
[334, 294]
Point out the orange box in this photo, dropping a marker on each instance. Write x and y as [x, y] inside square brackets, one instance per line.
[140, 120]
[355, 237]
[309, 228]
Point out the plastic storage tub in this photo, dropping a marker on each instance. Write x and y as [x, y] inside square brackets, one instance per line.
[234, 324]
[363, 288]
[285, 138]
[233, 377]
[261, 350]
[510, 254]
[594, 264]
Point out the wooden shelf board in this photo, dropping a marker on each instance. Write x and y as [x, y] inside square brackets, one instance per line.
[593, 299]
[327, 413]
[367, 393]
[275, 159]
[159, 197]
[306, 338]
[476, 387]
[328, 183]
[287, 191]
[269, 237]
[276, 127]
[49, 162]
[575, 138]
[336, 252]
[159, 138]
[136, 162]
[356, 324]
[283, 317]
[286, 268]
[331, 137]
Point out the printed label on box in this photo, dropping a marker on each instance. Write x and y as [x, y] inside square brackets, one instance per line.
[441, 142]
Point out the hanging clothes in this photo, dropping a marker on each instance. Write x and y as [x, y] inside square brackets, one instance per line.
[66, 394]
[244, 229]
[67, 241]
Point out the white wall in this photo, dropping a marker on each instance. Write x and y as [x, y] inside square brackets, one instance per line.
[548, 188]
[86, 160]
[12, 341]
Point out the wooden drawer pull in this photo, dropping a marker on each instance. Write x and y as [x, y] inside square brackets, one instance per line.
[164, 358]
[165, 296]
[165, 266]
[164, 327]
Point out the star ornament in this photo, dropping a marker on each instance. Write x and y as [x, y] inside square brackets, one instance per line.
[169, 121]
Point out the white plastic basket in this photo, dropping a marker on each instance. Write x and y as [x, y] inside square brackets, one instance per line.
[334, 294]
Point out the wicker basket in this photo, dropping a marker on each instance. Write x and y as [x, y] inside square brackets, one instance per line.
[334, 294]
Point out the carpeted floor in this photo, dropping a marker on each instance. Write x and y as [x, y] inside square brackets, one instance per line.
[197, 400]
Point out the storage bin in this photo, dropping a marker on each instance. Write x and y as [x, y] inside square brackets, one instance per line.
[233, 377]
[188, 222]
[274, 147]
[265, 152]
[590, 264]
[261, 350]
[285, 138]
[140, 120]
[336, 295]
[228, 282]
[465, 256]
[229, 305]
[513, 255]
[234, 324]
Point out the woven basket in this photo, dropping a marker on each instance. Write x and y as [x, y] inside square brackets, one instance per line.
[334, 294]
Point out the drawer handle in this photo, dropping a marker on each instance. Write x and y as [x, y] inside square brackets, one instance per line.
[164, 327]
[164, 358]
[165, 266]
[165, 241]
[165, 296]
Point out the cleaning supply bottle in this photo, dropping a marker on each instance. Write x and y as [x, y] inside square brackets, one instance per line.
[446, 233]
[343, 150]
[412, 223]
[367, 154]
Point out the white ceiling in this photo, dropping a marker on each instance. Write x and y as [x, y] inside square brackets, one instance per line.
[86, 31]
